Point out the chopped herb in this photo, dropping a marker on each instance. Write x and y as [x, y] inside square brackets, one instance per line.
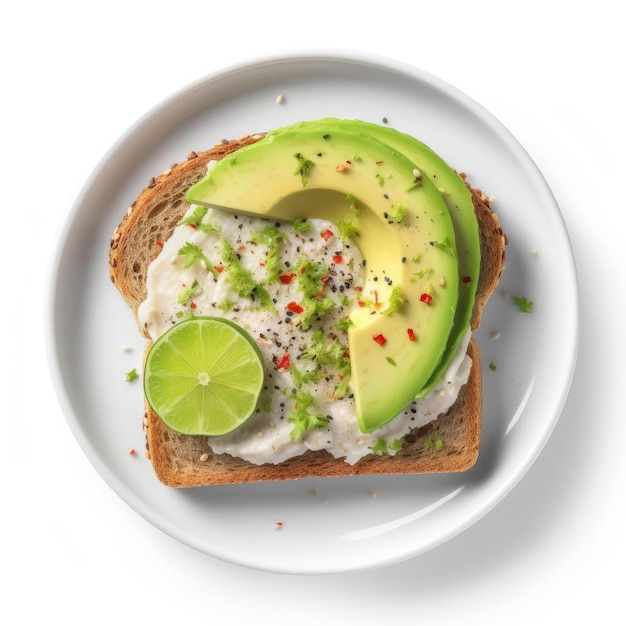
[186, 295]
[195, 217]
[391, 361]
[342, 388]
[273, 238]
[351, 199]
[524, 304]
[446, 245]
[310, 276]
[242, 279]
[396, 301]
[132, 376]
[383, 447]
[398, 212]
[302, 419]
[347, 230]
[344, 324]
[422, 273]
[301, 226]
[303, 167]
[193, 253]
[492, 366]
[432, 442]
[226, 306]
[325, 351]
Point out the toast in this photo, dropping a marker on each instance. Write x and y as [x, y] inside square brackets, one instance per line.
[188, 461]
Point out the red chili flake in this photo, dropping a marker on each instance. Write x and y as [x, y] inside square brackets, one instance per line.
[283, 363]
[341, 168]
[467, 279]
[348, 162]
[219, 268]
[375, 296]
[132, 452]
[358, 288]
[379, 338]
[360, 303]
[337, 258]
[193, 305]
[159, 243]
[278, 525]
[426, 298]
[325, 279]
[379, 162]
[285, 279]
[327, 234]
[411, 333]
[294, 307]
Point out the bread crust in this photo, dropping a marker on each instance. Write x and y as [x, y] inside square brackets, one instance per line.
[188, 461]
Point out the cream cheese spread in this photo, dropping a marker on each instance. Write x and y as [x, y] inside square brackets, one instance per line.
[255, 272]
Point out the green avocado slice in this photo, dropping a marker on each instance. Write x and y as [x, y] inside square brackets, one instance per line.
[405, 233]
[458, 199]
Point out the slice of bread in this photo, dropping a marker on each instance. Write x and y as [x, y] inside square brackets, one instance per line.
[188, 461]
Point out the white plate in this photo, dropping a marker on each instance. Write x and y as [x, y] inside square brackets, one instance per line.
[330, 525]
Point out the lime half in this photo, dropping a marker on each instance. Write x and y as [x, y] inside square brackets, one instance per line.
[203, 376]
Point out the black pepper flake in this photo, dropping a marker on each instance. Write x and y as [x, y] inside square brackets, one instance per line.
[404, 259]
[327, 137]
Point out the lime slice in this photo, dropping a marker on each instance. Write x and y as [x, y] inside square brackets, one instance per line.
[204, 376]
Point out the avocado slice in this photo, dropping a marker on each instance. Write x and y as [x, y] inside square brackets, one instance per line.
[405, 233]
[458, 199]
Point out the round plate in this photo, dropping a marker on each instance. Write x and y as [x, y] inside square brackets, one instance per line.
[329, 525]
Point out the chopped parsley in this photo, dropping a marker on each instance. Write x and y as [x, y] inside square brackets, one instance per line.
[302, 419]
[242, 279]
[352, 202]
[310, 275]
[382, 446]
[492, 366]
[303, 167]
[396, 301]
[132, 376]
[446, 245]
[186, 295]
[273, 238]
[524, 304]
[195, 219]
[397, 213]
[391, 361]
[192, 253]
[347, 230]
[433, 442]
[301, 226]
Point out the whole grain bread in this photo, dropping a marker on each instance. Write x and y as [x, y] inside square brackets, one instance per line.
[188, 461]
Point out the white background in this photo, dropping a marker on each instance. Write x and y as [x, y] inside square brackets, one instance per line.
[76, 76]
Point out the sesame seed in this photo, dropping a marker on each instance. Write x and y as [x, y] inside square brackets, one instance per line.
[280, 99]
[204, 457]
